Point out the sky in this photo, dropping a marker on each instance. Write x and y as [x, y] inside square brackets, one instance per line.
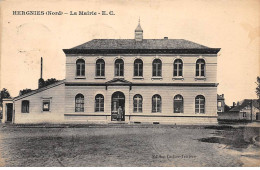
[233, 26]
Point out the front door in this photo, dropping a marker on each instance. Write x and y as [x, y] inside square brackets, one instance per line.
[9, 113]
[118, 107]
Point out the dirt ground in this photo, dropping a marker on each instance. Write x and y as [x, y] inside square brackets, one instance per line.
[128, 145]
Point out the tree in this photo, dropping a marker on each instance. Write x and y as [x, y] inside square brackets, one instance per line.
[50, 81]
[47, 82]
[4, 94]
[24, 91]
[258, 87]
[258, 90]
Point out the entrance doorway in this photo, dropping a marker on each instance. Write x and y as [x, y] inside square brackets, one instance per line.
[9, 113]
[118, 107]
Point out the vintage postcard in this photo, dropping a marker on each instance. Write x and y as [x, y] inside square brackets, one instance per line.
[148, 83]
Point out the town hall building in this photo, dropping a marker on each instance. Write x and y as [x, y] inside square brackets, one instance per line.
[171, 81]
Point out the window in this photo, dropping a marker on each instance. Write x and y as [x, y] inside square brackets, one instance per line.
[80, 64]
[177, 68]
[138, 103]
[219, 104]
[156, 103]
[244, 114]
[119, 67]
[200, 68]
[200, 104]
[25, 106]
[79, 103]
[46, 105]
[138, 68]
[100, 68]
[178, 104]
[99, 103]
[157, 68]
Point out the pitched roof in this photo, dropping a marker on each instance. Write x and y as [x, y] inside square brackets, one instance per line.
[219, 97]
[144, 44]
[139, 28]
[245, 103]
[59, 82]
[118, 80]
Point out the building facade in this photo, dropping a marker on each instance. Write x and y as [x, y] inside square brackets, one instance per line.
[129, 80]
[221, 103]
[246, 110]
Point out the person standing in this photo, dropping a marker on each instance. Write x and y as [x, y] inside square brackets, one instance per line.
[120, 112]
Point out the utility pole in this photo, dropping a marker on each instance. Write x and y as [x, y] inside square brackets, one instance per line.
[251, 110]
[41, 67]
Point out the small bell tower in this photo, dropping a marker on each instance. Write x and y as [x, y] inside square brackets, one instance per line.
[139, 32]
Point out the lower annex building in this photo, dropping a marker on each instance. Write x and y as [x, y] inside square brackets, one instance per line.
[165, 80]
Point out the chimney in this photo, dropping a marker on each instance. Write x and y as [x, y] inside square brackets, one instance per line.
[222, 95]
[139, 32]
[234, 104]
[41, 81]
[237, 103]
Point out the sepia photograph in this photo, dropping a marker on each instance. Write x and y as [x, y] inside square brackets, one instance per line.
[148, 83]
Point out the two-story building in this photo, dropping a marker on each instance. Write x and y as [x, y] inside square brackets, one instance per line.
[130, 80]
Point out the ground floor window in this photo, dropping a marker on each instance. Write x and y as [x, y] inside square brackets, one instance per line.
[79, 103]
[244, 114]
[99, 103]
[46, 105]
[138, 103]
[178, 104]
[25, 106]
[200, 104]
[156, 103]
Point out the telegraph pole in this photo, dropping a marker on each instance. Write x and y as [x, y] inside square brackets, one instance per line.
[251, 110]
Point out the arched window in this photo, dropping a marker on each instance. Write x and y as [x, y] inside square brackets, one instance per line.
[177, 68]
[138, 68]
[200, 104]
[157, 68]
[138, 103]
[156, 103]
[25, 106]
[119, 67]
[79, 103]
[100, 68]
[178, 104]
[200, 68]
[80, 64]
[99, 103]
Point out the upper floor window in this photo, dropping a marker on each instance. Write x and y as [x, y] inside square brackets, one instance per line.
[138, 68]
[200, 104]
[178, 104]
[138, 103]
[25, 106]
[80, 64]
[177, 68]
[100, 67]
[156, 103]
[79, 103]
[119, 67]
[219, 104]
[200, 68]
[157, 68]
[99, 103]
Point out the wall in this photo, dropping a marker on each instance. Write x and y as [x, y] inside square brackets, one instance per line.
[167, 68]
[36, 115]
[167, 94]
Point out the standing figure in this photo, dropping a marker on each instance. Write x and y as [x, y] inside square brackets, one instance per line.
[120, 112]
